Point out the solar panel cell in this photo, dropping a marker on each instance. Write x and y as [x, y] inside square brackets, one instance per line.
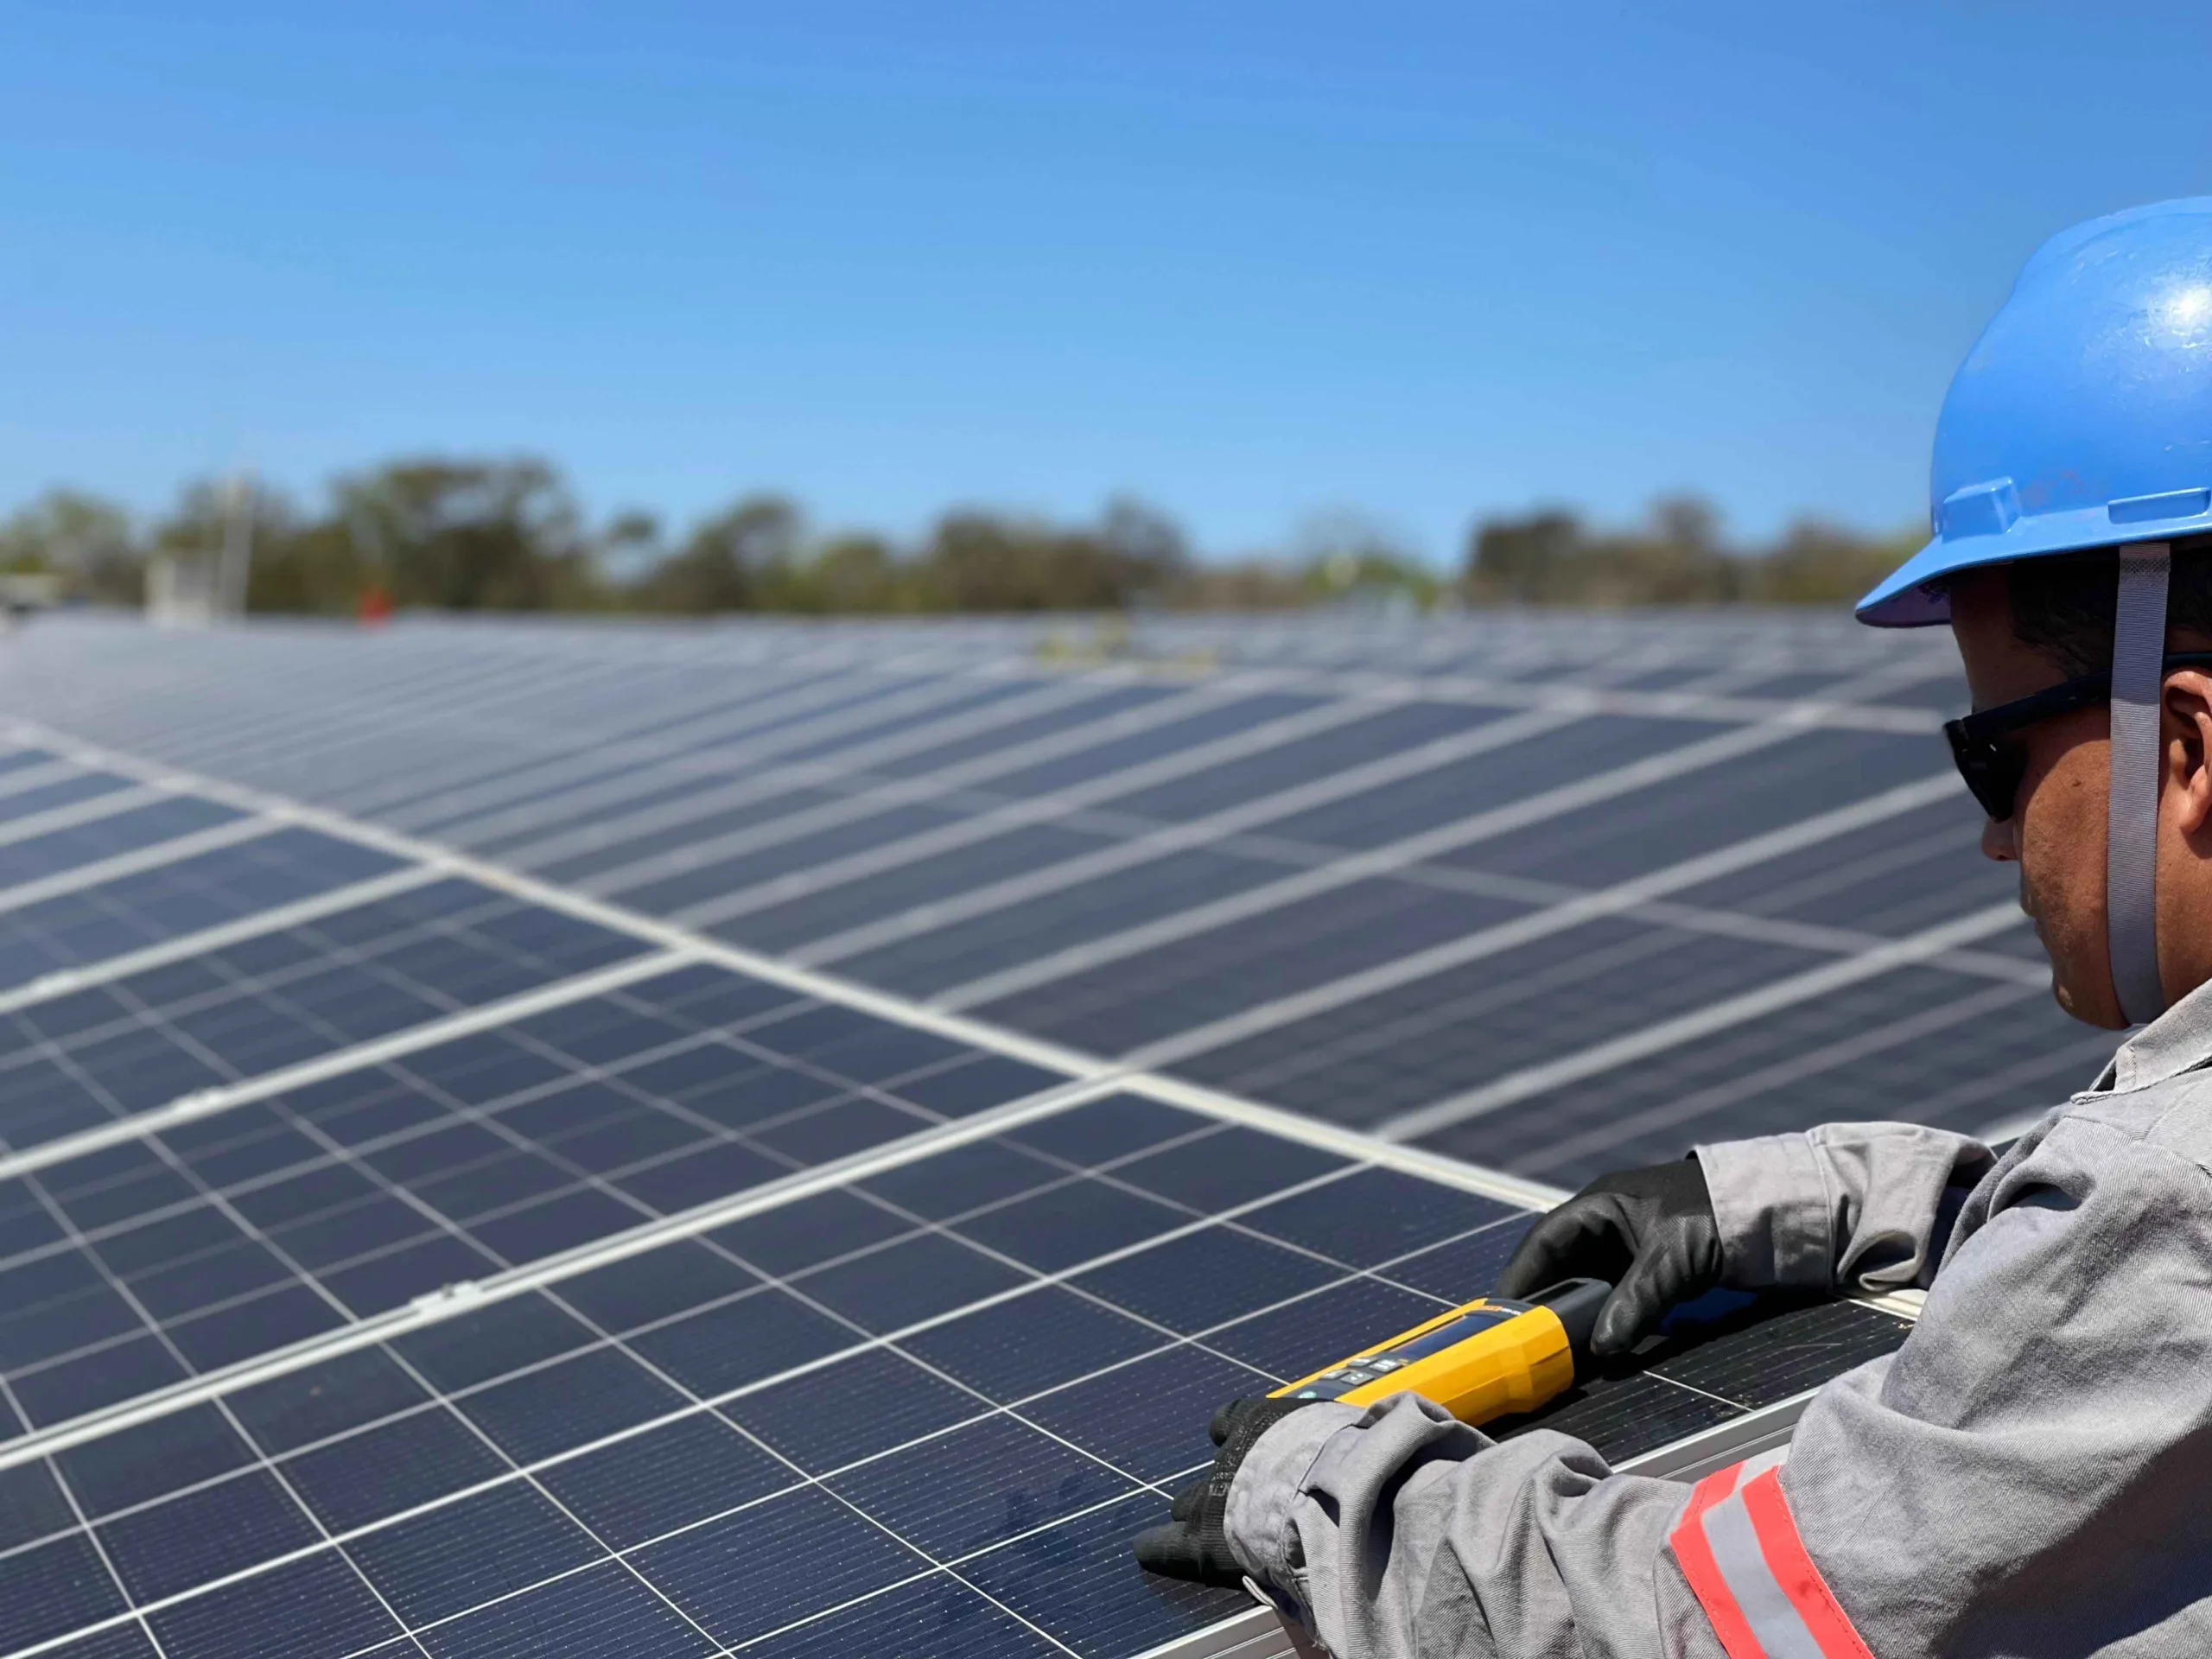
[932, 1616]
[978, 1485]
[856, 1408]
[315, 1606]
[124, 1641]
[740, 1341]
[1078, 1584]
[1070, 1222]
[472, 1551]
[34, 856]
[868, 899]
[54, 1588]
[775, 1562]
[391, 1469]
[601, 1610]
[927, 1273]
[663, 1480]
[1205, 1278]
[203, 1535]
[1139, 1416]
[321, 1399]
[1127, 1003]
[74, 786]
[31, 1505]
[1030, 1343]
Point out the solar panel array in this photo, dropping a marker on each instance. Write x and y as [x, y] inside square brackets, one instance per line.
[767, 1138]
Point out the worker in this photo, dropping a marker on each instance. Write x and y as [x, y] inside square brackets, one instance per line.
[2031, 1472]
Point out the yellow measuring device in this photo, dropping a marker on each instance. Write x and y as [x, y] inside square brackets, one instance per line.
[1490, 1358]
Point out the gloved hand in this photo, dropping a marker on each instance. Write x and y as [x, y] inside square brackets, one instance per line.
[1649, 1233]
[1195, 1544]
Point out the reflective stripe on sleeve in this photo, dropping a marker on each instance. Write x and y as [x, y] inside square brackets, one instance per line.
[1739, 1549]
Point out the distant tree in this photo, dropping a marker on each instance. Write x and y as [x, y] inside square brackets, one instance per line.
[1523, 560]
[1347, 557]
[314, 566]
[85, 540]
[1253, 583]
[1676, 557]
[1817, 563]
[630, 545]
[1149, 551]
[979, 560]
[296, 566]
[470, 535]
[858, 574]
[504, 534]
[725, 560]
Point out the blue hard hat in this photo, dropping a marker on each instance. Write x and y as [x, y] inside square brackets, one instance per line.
[2082, 418]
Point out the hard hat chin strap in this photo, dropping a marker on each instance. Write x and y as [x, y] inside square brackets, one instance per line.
[2138, 650]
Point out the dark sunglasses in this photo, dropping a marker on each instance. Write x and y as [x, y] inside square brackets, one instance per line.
[1993, 764]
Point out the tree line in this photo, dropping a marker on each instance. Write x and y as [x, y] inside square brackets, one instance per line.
[508, 535]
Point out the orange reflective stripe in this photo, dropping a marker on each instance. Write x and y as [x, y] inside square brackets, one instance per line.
[1794, 1571]
[1705, 1580]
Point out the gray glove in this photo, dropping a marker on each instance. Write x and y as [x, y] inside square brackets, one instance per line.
[1194, 1545]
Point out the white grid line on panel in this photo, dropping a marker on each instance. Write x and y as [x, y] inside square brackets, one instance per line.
[376, 718]
[25, 779]
[1793, 1068]
[79, 877]
[63, 980]
[1151, 844]
[1559, 918]
[206, 1103]
[545, 799]
[869, 796]
[972, 1034]
[154, 1326]
[781, 691]
[995, 816]
[442, 1398]
[89, 811]
[1344, 870]
[1909, 952]
[776, 717]
[848, 770]
[1357, 1149]
[299, 721]
[1566, 704]
[737, 763]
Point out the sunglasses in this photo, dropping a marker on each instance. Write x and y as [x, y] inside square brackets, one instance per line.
[1983, 743]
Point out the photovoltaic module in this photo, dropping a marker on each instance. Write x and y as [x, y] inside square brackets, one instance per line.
[773, 1139]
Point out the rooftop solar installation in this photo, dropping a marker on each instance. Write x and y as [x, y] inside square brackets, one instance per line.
[772, 1138]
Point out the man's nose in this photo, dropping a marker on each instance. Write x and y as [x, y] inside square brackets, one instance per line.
[2001, 841]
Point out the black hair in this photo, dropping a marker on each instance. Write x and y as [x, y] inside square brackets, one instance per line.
[2062, 605]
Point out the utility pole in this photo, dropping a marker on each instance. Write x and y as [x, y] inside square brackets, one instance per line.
[236, 563]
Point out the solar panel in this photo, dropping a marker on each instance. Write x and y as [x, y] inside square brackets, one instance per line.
[958, 1384]
[772, 1138]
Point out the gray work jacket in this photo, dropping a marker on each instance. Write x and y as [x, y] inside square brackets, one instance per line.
[2030, 1474]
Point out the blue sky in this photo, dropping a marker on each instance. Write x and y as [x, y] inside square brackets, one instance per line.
[1253, 262]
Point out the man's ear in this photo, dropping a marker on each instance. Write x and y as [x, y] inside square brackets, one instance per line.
[2188, 731]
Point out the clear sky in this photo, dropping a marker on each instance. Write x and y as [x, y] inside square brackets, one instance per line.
[1250, 261]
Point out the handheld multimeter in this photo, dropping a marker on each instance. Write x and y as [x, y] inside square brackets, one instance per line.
[1490, 1358]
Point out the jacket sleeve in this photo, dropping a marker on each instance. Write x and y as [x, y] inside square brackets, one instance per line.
[1402, 1533]
[1845, 1207]
[2025, 1475]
